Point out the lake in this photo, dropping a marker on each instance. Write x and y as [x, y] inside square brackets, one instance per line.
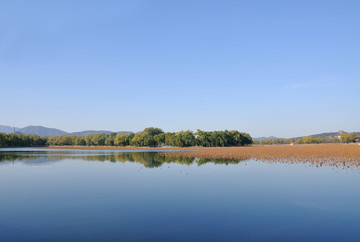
[93, 195]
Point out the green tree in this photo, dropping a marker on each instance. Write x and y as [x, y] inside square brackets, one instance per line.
[98, 139]
[222, 138]
[203, 138]
[184, 138]
[88, 139]
[123, 139]
[110, 139]
[347, 138]
[159, 139]
[170, 138]
[153, 131]
[80, 140]
[142, 139]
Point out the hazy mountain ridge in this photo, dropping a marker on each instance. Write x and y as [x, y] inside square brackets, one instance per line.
[5, 129]
[45, 131]
[329, 134]
[265, 138]
[41, 131]
[85, 132]
[321, 135]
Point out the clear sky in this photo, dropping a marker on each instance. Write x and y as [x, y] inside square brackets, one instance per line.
[281, 68]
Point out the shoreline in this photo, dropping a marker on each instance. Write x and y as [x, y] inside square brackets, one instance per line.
[72, 147]
[93, 147]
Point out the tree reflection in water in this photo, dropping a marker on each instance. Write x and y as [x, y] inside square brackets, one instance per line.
[148, 159]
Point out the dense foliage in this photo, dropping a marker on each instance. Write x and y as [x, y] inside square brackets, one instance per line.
[156, 137]
[11, 140]
[149, 137]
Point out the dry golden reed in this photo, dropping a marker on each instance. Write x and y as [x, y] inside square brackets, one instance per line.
[345, 155]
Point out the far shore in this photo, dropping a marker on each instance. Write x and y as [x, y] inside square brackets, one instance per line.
[80, 147]
[74, 147]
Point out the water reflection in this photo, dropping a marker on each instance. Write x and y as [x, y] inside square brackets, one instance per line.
[87, 197]
[148, 159]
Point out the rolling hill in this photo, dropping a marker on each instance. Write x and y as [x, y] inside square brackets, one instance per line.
[45, 131]
[5, 129]
[41, 131]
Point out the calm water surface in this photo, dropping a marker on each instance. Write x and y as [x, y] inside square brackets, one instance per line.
[67, 195]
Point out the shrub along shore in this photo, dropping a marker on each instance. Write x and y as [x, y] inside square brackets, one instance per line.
[150, 137]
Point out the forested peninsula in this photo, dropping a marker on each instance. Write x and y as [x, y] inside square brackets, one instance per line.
[150, 137]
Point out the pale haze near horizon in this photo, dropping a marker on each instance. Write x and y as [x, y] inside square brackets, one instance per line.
[280, 68]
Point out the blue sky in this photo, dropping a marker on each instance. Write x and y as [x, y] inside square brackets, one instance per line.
[282, 68]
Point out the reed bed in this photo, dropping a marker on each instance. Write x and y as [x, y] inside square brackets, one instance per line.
[338, 155]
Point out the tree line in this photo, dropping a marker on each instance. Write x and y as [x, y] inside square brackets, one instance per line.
[150, 137]
[11, 140]
[344, 138]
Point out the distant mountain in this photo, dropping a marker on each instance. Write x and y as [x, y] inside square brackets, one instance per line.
[324, 135]
[41, 131]
[331, 134]
[85, 132]
[328, 134]
[265, 138]
[45, 131]
[5, 129]
[124, 132]
[321, 135]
